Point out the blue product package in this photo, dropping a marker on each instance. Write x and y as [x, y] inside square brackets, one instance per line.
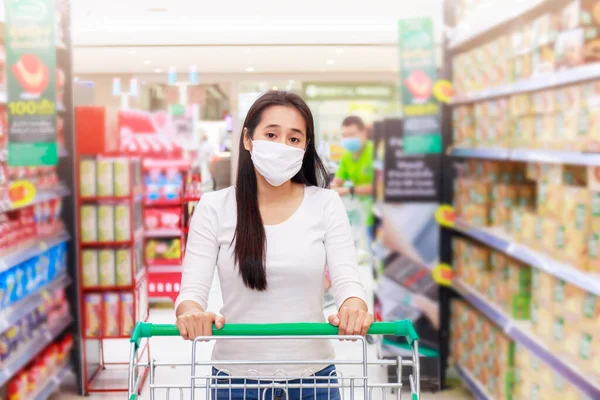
[3, 296]
[44, 268]
[61, 258]
[20, 282]
[30, 284]
[10, 281]
[52, 264]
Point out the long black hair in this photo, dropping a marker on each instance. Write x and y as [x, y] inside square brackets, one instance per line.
[250, 237]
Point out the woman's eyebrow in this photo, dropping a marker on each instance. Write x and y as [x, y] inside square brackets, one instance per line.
[271, 126]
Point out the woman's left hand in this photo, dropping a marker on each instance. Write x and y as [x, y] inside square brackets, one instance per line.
[352, 321]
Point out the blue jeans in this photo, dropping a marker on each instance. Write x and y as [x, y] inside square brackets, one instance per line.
[308, 393]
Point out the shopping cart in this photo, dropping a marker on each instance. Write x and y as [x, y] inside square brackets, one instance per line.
[211, 386]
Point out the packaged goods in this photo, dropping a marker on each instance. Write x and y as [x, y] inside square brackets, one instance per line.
[106, 268]
[127, 316]
[89, 262]
[121, 177]
[106, 223]
[123, 267]
[122, 223]
[105, 182]
[163, 249]
[93, 315]
[111, 314]
[89, 224]
[87, 177]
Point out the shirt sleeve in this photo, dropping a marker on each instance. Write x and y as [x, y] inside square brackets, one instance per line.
[341, 253]
[200, 255]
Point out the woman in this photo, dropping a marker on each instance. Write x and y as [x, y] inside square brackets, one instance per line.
[270, 237]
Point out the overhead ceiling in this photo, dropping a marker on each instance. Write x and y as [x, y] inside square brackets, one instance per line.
[260, 36]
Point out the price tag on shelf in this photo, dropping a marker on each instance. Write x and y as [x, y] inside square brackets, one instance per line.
[443, 275]
[21, 193]
[445, 215]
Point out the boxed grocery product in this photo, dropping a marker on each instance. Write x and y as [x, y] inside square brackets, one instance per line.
[121, 177]
[475, 214]
[104, 171]
[127, 316]
[123, 267]
[106, 267]
[111, 314]
[549, 200]
[504, 195]
[591, 95]
[106, 223]
[593, 178]
[576, 208]
[569, 48]
[592, 142]
[122, 223]
[89, 224]
[89, 263]
[87, 177]
[542, 288]
[163, 249]
[590, 312]
[93, 315]
[549, 236]
[593, 252]
[571, 246]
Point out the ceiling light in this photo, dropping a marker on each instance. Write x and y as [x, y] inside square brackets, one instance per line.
[156, 9]
[147, 62]
[275, 88]
[329, 62]
[250, 69]
[158, 70]
[131, 52]
[340, 51]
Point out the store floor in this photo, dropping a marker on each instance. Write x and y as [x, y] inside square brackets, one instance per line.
[177, 350]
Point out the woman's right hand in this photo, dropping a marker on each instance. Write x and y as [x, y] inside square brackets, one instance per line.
[195, 323]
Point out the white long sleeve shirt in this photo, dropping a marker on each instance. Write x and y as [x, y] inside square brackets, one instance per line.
[298, 249]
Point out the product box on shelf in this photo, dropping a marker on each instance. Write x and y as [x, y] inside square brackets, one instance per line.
[127, 314]
[89, 224]
[106, 267]
[123, 267]
[89, 264]
[104, 178]
[122, 222]
[87, 177]
[93, 315]
[106, 223]
[121, 177]
[111, 314]
[163, 249]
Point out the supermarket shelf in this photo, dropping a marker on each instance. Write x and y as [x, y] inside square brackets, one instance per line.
[484, 18]
[24, 254]
[125, 243]
[472, 384]
[53, 383]
[139, 276]
[525, 155]
[521, 333]
[42, 195]
[541, 82]
[162, 233]
[15, 363]
[503, 243]
[13, 313]
[164, 269]
[92, 199]
[163, 202]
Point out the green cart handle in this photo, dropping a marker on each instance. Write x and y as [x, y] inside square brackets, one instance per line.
[398, 328]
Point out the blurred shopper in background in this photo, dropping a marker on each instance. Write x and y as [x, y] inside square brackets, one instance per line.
[355, 174]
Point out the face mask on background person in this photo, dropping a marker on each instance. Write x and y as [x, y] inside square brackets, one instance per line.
[276, 162]
[352, 144]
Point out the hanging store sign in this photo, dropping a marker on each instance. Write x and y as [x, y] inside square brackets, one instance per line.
[323, 91]
[31, 78]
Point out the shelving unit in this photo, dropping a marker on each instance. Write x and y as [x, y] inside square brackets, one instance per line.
[53, 383]
[475, 34]
[520, 331]
[28, 353]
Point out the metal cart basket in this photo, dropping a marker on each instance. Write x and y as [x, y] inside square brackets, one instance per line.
[221, 385]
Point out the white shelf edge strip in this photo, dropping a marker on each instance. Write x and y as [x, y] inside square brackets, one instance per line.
[472, 384]
[15, 363]
[540, 82]
[53, 383]
[529, 155]
[477, 24]
[162, 233]
[518, 334]
[22, 255]
[588, 282]
[10, 315]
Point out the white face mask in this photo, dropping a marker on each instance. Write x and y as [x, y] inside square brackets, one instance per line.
[276, 162]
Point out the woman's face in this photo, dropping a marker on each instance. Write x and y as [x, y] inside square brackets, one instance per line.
[280, 124]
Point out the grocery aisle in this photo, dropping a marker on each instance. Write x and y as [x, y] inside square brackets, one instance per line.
[177, 350]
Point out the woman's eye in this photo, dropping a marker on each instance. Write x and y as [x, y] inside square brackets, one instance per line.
[295, 140]
[271, 135]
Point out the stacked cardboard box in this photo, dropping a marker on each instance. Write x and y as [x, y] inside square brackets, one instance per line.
[487, 192]
[478, 346]
[564, 38]
[502, 280]
[566, 119]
